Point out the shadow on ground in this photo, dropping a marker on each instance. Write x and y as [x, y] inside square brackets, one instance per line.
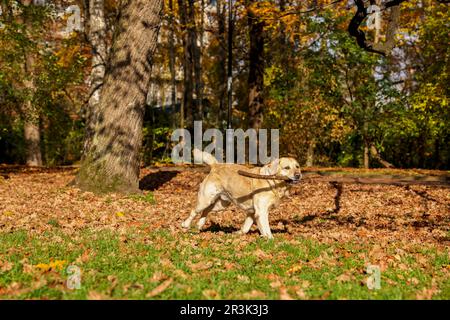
[154, 180]
[215, 227]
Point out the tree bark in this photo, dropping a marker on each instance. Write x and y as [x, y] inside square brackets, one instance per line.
[256, 68]
[97, 39]
[188, 67]
[366, 139]
[193, 37]
[31, 130]
[173, 80]
[284, 50]
[310, 154]
[112, 162]
[392, 27]
[194, 55]
[199, 60]
[32, 133]
[222, 57]
[366, 154]
[32, 136]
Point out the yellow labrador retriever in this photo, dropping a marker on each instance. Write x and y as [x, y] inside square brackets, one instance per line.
[224, 185]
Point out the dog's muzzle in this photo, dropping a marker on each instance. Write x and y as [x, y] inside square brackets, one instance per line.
[296, 179]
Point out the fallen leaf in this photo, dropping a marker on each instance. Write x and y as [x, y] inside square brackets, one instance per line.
[211, 294]
[159, 289]
[254, 294]
[300, 293]
[294, 269]
[5, 266]
[276, 284]
[199, 266]
[262, 255]
[345, 277]
[158, 276]
[52, 265]
[180, 273]
[243, 278]
[284, 295]
[94, 295]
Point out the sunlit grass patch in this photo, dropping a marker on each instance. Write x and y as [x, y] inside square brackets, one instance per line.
[166, 265]
[148, 197]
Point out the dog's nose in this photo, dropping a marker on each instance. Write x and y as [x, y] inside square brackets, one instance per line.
[298, 176]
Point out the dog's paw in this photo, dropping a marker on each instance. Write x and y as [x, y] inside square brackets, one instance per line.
[185, 224]
[268, 237]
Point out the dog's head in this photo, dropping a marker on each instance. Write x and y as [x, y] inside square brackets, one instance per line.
[286, 167]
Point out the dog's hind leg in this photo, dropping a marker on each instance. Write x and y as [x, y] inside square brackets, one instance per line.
[207, 196]
[202, 208]
[218, 206]
[187, 223]
[201, 222]
[247, 224]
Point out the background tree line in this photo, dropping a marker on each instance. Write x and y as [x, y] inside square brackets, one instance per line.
[297, 66]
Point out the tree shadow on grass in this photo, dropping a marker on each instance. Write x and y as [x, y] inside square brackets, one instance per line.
[327, 214]
[155, 180]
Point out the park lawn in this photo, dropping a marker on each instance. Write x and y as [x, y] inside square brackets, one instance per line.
[213, 265]
[132, 247]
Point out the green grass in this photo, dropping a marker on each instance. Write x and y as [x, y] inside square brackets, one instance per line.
[148, 197]
[207, 265]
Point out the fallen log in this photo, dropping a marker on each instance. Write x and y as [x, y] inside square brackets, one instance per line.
[397, 182]
[355, 180]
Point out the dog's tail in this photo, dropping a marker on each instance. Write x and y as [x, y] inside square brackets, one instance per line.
[200, 156]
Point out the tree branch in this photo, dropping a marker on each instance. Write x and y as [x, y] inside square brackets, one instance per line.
[361, 13]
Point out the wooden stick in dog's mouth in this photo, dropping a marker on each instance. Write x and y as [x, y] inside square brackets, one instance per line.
[260, 176]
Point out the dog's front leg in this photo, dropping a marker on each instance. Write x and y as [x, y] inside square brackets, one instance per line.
[262, 220]
[265, 222]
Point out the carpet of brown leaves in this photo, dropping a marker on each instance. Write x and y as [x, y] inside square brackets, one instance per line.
[36, 200]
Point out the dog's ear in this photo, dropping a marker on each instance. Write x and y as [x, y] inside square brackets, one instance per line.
[274, 166]
[271, 167]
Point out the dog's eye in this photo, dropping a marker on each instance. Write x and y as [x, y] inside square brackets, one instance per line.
[286, 168]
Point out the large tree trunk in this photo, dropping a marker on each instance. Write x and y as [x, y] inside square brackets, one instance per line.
[32, 133]
[32, 136]
[173, 80]
[256, 68]
[97, 38]
[222, 60]
[284, 49]
[193, 37]
[199, 60]
[310, 154]
[112, 162]
[366, 155]
[188, 66]
[366, 140]
[192, 63]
